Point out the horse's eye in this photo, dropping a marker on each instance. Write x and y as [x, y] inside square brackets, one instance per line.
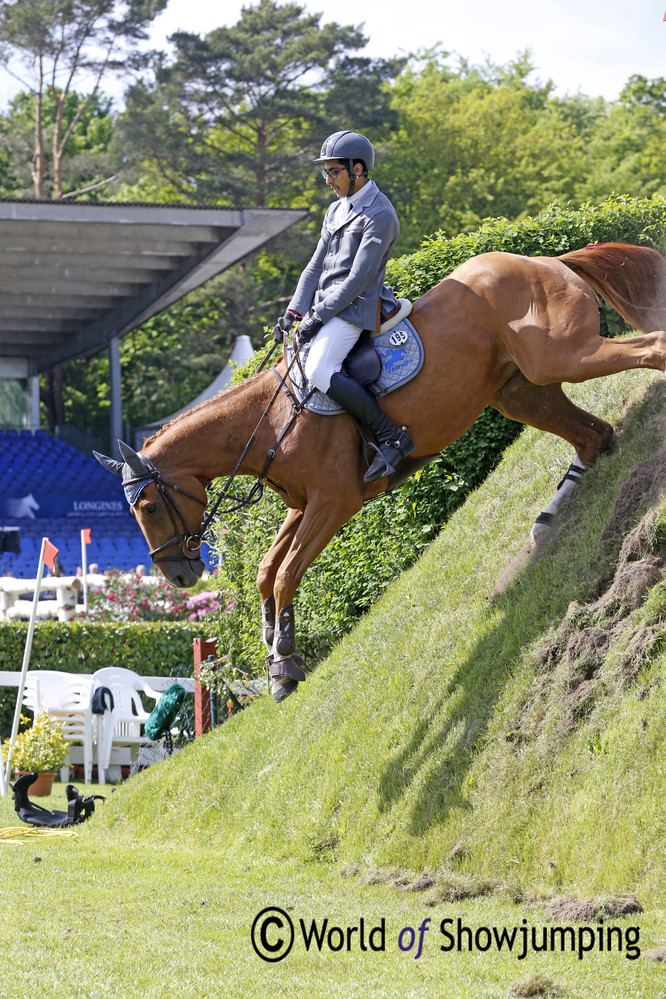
[151, 508]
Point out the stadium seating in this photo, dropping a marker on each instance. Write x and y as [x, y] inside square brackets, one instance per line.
[50, 489]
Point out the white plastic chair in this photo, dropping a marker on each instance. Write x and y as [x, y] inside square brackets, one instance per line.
[66, 698]
[122, 726]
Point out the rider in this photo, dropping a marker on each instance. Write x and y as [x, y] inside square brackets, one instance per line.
[343, 293]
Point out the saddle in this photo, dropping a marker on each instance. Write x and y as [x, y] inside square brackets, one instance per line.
[382, 362]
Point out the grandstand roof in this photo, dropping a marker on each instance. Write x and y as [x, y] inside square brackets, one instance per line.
[74, 275]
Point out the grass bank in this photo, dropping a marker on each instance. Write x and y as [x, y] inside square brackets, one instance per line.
[418, 735]
[456, 757]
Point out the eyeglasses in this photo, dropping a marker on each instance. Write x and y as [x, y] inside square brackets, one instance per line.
[333, 172]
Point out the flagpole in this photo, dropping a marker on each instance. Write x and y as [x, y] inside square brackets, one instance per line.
[24, 668]
[84, 567]
[3, 783]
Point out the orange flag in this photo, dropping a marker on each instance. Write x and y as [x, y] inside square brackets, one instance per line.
[86, 533]
[50, 552]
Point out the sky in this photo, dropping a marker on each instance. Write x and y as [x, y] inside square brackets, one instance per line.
[591, 46]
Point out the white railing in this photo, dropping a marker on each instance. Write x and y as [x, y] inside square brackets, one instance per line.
[67, 589]
[66, 604]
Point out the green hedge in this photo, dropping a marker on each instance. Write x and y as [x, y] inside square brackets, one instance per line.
[556, 230]
[148, 647]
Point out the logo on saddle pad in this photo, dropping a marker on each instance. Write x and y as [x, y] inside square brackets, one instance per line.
[401, 353]
[394, 360]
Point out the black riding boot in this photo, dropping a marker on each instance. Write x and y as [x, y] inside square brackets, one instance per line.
[393, 443]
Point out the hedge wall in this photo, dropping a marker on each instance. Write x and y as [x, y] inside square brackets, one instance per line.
[556, 230]
[149, 647]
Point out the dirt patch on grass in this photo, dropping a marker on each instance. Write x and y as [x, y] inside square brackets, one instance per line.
[575, 910]
[658, 954]
[424, 881]
[646, 483]
[611, 627]
[532, 984]
[395, 878]
[585, 652]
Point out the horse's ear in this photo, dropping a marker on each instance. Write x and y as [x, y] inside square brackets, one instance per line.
[110, 464]
[131, 458]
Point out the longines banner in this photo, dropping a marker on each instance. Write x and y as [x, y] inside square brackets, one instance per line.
[38, 505]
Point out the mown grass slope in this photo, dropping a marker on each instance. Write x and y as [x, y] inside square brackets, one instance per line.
[450, 731]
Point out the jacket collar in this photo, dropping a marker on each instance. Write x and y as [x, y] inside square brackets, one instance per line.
[349, 208]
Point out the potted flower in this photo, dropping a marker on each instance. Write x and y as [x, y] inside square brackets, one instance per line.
[42, 749]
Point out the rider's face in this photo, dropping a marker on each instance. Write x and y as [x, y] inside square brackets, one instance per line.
[339, 183]
[337, 177]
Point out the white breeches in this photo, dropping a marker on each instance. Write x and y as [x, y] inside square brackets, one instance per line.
[328, 350]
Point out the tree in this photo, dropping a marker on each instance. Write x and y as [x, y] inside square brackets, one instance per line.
[86, 160]
[63, 43]
[626, 146]
[475, 142]
[235, 117]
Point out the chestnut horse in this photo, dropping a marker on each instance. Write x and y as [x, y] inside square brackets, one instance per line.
[501, 330]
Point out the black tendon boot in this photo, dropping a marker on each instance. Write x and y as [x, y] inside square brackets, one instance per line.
[393, 443]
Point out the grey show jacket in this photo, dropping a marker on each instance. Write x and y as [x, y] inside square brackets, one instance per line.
[345, 276]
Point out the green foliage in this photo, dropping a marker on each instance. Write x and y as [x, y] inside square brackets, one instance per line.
[86, 157]
[149, 648]
[42, 747]
[475, 142]
[555, 230]
[489, 142]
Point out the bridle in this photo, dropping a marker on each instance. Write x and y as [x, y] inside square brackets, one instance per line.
[190, 541]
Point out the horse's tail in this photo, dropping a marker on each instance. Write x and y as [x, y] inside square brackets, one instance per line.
[631, 278]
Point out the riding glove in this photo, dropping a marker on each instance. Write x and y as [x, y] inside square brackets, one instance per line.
[284, 324]
[309, 328]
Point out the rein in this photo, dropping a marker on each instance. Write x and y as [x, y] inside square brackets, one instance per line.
[189, 541]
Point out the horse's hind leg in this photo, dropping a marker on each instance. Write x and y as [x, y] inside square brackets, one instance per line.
[546, 407]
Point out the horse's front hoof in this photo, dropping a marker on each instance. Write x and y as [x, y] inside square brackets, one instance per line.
[283, 686]
[286, 674]
[542, 529]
